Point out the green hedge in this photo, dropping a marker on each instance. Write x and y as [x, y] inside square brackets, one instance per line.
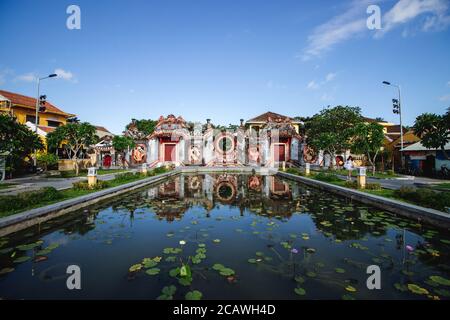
[29, 199]
[83, 185]
[425, 197]
[327, 177]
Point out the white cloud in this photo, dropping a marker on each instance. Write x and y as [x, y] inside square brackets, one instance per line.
[312, 85]
[448, 84]
[27, 77]
[330, 77]
[445, 98]
[340, 28]
[352, 23]
[63, 74]
[405, 11]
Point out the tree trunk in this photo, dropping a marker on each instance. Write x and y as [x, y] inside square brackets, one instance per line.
[75, 165]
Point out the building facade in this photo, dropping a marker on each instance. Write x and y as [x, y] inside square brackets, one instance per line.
[23, 108]
[274, 140]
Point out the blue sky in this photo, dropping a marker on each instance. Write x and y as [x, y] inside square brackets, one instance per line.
[227, 60]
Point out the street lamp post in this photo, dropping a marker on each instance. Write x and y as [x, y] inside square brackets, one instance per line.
[400, 114]
[36, 119]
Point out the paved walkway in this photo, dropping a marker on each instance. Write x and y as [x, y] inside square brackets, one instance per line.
[37, 182]
[397, 183]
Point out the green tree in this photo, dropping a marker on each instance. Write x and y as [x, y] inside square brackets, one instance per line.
[121, 144]
[47, 159]
[146, 126]
[368, 139]
[74, 137]
[18, 140]
[331, 130]
[433, 130]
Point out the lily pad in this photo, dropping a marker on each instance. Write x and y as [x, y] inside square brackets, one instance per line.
[149, 264]
[135, 267]
[171, 259]
[185, 271]
[218, 266]
[350, 289]
[193, 295]
[6, 270]
[169, 290]
[25, 247]
[400, 287]
[152, 271]
[174, 272]
[339, 270]
[227, 272]
[216, 240]
[300, 291]
[251, 260]
[414, 288]
[440, 280]
[22, 259]
[185, 281]
[299, 279]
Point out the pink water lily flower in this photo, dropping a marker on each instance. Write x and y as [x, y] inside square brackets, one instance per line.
[409, 248]
[294, 251]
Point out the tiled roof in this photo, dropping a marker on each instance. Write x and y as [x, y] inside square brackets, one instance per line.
[29, 102]
[395, 128]
[265, 117]
[47, 129]
[100, 128]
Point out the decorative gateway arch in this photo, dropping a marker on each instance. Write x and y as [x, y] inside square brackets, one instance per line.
[273, 142]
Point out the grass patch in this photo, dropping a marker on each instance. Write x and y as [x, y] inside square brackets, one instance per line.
[381, 175]
[6, 185]
[34, 199]
[442, 186]
[424, 197]
[83, 173]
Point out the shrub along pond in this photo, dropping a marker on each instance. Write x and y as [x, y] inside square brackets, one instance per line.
[225, 236]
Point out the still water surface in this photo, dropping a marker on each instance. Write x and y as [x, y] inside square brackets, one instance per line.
[246, 237]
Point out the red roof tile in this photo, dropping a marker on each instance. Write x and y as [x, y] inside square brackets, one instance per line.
[265, 117]
[29, 102]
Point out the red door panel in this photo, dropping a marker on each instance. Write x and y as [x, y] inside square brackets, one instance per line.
[169, 152]
[279, 152]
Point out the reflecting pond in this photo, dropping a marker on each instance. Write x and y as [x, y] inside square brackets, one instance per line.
[225, 236]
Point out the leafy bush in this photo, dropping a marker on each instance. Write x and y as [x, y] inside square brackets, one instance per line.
[425, 197]
[68, 174]
[369, 186]
[126, 177]
[160, 170]
[327, 177]
[295, 171]
[351, 184]
[46, 160]
[373, 186]
[28, 199]
[83, 185]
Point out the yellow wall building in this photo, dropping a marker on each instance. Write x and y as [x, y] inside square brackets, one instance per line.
[24, 109]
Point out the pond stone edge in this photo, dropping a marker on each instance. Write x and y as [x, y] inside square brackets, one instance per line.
[25, 219]
[433, 217]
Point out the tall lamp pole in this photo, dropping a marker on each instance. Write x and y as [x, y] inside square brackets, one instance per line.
[36, 119]
[398, 109]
